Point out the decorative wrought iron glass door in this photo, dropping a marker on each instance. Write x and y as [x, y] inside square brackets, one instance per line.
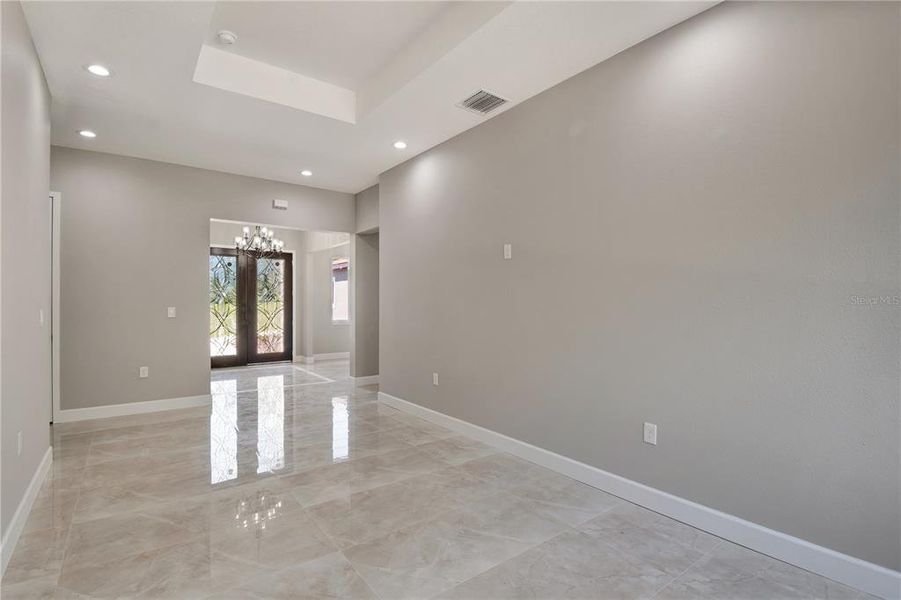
[269, 311]
[251, 304]
[227, 347]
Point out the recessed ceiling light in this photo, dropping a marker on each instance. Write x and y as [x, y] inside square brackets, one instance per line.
[87, 133]
[306, 173]
[98, 70]
[400, 145]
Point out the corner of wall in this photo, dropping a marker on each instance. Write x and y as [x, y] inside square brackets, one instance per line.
[25, 367]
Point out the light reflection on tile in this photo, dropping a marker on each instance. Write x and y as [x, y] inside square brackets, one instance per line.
[270, 423]
[224, 431]
[340, 429]
[248, 378]
[297, 484]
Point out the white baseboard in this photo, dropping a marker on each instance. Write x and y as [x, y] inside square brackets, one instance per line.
[132, 408]
[845, 569]
[17, 524]
[309, 360]
[365, 380]
[331, 355]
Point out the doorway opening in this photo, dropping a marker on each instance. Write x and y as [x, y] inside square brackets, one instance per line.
[251, 308]
[292, 306]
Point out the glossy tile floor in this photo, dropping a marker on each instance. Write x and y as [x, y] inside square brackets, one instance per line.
[299, 485]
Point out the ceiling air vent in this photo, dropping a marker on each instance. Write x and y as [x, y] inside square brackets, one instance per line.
[482, 102]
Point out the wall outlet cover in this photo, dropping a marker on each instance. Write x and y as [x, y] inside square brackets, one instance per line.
[170, 312]
[144, 372]
[434, 378]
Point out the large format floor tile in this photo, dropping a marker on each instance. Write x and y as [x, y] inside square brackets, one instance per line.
[297, 484]
[329, 576]
[436, 554]
[571, 565]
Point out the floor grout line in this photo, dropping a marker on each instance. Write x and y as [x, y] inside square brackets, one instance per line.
[62, 562]
[686, 570]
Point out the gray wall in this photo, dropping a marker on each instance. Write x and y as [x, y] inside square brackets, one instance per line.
[328, 337]
[367, 209]
[223, 234]
[25, 374]
[364, 294]
[691, 222]
[135, 239]
[364, 273]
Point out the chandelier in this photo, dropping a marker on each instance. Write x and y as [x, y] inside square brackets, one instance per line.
[259, 244]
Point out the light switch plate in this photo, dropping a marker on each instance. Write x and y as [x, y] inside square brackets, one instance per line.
[434, 378]
[144, 372]
[650, 433]
[508, 251]
[171, 312]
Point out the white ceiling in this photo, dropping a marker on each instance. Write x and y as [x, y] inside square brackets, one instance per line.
[343, 43]
[402, 65]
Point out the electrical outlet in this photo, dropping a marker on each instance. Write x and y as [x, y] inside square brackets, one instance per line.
[144, 372]
[650, 433]
[19, 444]
[170, 312]
[434, 378]
[508, 251]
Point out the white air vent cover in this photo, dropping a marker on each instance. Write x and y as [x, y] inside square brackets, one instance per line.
[482, 102]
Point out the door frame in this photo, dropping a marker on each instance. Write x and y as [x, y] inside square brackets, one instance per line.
[247, 314]
[55, 237]
[240, 357]
[287, 353]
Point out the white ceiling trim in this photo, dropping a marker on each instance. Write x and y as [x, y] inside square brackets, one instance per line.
[235, 73]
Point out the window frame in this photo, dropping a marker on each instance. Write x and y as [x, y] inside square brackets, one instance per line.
[331, 276]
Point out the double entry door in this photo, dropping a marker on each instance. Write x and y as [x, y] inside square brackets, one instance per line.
[251, 318]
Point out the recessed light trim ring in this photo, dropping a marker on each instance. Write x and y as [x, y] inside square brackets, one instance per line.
[98, 70]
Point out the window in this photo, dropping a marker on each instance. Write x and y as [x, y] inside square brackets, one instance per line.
[340, 303]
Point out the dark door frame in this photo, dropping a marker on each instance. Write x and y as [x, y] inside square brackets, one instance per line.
[246, 284]
[252, 314]
[240, 358]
